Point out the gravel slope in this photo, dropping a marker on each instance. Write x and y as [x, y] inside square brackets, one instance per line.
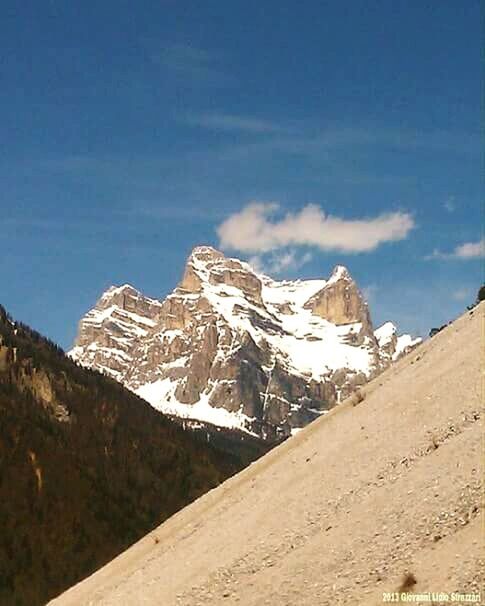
[340, 512]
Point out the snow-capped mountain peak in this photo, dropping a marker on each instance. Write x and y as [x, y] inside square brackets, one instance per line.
[391, 344]
[340, 272]
[236, 348]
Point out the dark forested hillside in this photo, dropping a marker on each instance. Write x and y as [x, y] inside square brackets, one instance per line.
[86, 468]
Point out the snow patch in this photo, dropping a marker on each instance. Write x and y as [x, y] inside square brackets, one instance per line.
[161, 395]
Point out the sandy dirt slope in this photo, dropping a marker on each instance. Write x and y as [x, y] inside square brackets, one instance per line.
[340, 512]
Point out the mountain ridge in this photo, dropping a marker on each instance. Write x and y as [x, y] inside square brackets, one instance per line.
[236, 348]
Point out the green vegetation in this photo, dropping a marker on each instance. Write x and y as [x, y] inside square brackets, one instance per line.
[86, 468]
[481, 294]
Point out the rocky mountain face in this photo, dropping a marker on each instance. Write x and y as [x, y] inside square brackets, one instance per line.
[86, 467]
[238, 349]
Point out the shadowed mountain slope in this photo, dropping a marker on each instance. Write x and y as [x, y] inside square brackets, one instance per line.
[379, 487]
[86, 468]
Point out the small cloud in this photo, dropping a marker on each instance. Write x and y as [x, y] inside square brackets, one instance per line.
[436, 254]
[228, 122]
[257, 264]
[277, 264]
[468, 250]
[253, 230]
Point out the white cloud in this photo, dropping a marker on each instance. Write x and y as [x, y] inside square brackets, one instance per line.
[257, 263]
[467, 250]
[278, 263]
[470, 250]
[253, 230]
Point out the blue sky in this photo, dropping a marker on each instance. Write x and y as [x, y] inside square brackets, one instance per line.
[132, 133]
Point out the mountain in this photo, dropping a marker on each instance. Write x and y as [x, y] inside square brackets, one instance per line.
[377, 498]
[86, 467]
[238, 349]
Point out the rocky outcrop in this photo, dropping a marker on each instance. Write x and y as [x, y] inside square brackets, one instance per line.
[108, 334]
[341, 302]
[7, 357]
[391, 345]
[234, 348]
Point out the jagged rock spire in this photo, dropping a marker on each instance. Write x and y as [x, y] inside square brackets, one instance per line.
[340, 301]
[234, 348]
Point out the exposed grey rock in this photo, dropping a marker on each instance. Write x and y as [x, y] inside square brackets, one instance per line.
[236, 348]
